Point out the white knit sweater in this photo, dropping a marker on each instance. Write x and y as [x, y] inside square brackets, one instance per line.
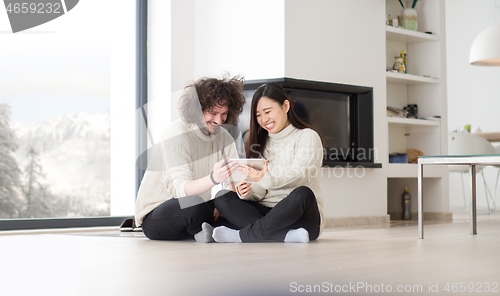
[184, 154]
[295, 158]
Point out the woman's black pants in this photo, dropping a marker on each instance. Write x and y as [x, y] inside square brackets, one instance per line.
[260, 223]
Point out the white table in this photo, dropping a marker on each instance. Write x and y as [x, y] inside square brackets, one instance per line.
[471, 161]
[491, 137]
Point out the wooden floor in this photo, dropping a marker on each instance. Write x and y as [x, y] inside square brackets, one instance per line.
[356, 260]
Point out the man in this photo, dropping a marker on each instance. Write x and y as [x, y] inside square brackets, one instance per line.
[174, 197]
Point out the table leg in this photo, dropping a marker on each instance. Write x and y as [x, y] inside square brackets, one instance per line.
[473, 218]
[420, 202]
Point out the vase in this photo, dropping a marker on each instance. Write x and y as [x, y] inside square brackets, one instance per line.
[409, 19]
[399, 65]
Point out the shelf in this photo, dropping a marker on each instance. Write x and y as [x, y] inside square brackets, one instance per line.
[339, 164]
[409, 79]
[410, 170]
[412, 122]
[408, 36]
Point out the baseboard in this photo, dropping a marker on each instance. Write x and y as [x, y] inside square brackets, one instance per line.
[354, 221]
[428, 216]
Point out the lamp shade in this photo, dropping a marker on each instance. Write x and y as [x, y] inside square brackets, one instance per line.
[485, 50]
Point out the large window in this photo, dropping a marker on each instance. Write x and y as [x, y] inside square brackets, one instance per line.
[67, 102]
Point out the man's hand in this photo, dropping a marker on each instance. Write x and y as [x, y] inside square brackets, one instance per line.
[222, 170]
[244, 188]
[253, 174]
[217, 215]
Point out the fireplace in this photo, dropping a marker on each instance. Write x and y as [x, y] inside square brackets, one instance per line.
[341, 114]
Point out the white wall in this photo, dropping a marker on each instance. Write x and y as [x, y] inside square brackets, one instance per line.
[338, 41]
[159, 65]
[343, 42]
[182, 32]
[123, 138]
[473, 91]
[240, 37]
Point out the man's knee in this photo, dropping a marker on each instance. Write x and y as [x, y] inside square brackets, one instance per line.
[223, 196]
[195, 206]
[190, 201]
[202, 212]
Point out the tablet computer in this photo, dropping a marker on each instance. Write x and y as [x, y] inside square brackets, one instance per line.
[256, 163]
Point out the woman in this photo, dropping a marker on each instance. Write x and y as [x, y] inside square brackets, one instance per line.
[284, 201]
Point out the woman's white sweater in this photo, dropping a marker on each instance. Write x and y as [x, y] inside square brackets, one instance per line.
[295, 157]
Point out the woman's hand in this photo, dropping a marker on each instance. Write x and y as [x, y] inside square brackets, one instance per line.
[222, 170]
[217, 215]
[253, 174]
[243, 188]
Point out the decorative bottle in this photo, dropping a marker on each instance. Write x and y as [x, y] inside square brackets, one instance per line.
[399, 65]
[406, 204]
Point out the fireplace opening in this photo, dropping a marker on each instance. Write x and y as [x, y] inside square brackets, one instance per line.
[341, 114]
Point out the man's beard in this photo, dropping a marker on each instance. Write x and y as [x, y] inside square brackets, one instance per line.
[208, 131]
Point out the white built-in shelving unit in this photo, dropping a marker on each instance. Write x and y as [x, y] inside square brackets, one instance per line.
[424, 85]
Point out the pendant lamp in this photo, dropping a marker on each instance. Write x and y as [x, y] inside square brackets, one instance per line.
[485, 50]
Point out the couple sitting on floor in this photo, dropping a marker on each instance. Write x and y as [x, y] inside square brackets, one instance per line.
[282, 203]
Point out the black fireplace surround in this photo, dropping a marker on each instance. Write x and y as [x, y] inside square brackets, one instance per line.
[341, 114]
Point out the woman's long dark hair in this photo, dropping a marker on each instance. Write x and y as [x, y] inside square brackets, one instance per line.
[257, 136]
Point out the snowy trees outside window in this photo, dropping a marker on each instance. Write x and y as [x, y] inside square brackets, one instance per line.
[10, 202]
[75, 148]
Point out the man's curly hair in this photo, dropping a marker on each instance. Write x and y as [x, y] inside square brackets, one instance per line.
[207, 93]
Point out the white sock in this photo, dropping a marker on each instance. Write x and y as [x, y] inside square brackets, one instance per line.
[205, 235]
[222, 234]
[299, 235]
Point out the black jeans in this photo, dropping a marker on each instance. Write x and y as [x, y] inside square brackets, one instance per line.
[259, 223]
[171, 222]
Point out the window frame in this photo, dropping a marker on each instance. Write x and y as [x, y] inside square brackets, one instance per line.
[141, 142]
